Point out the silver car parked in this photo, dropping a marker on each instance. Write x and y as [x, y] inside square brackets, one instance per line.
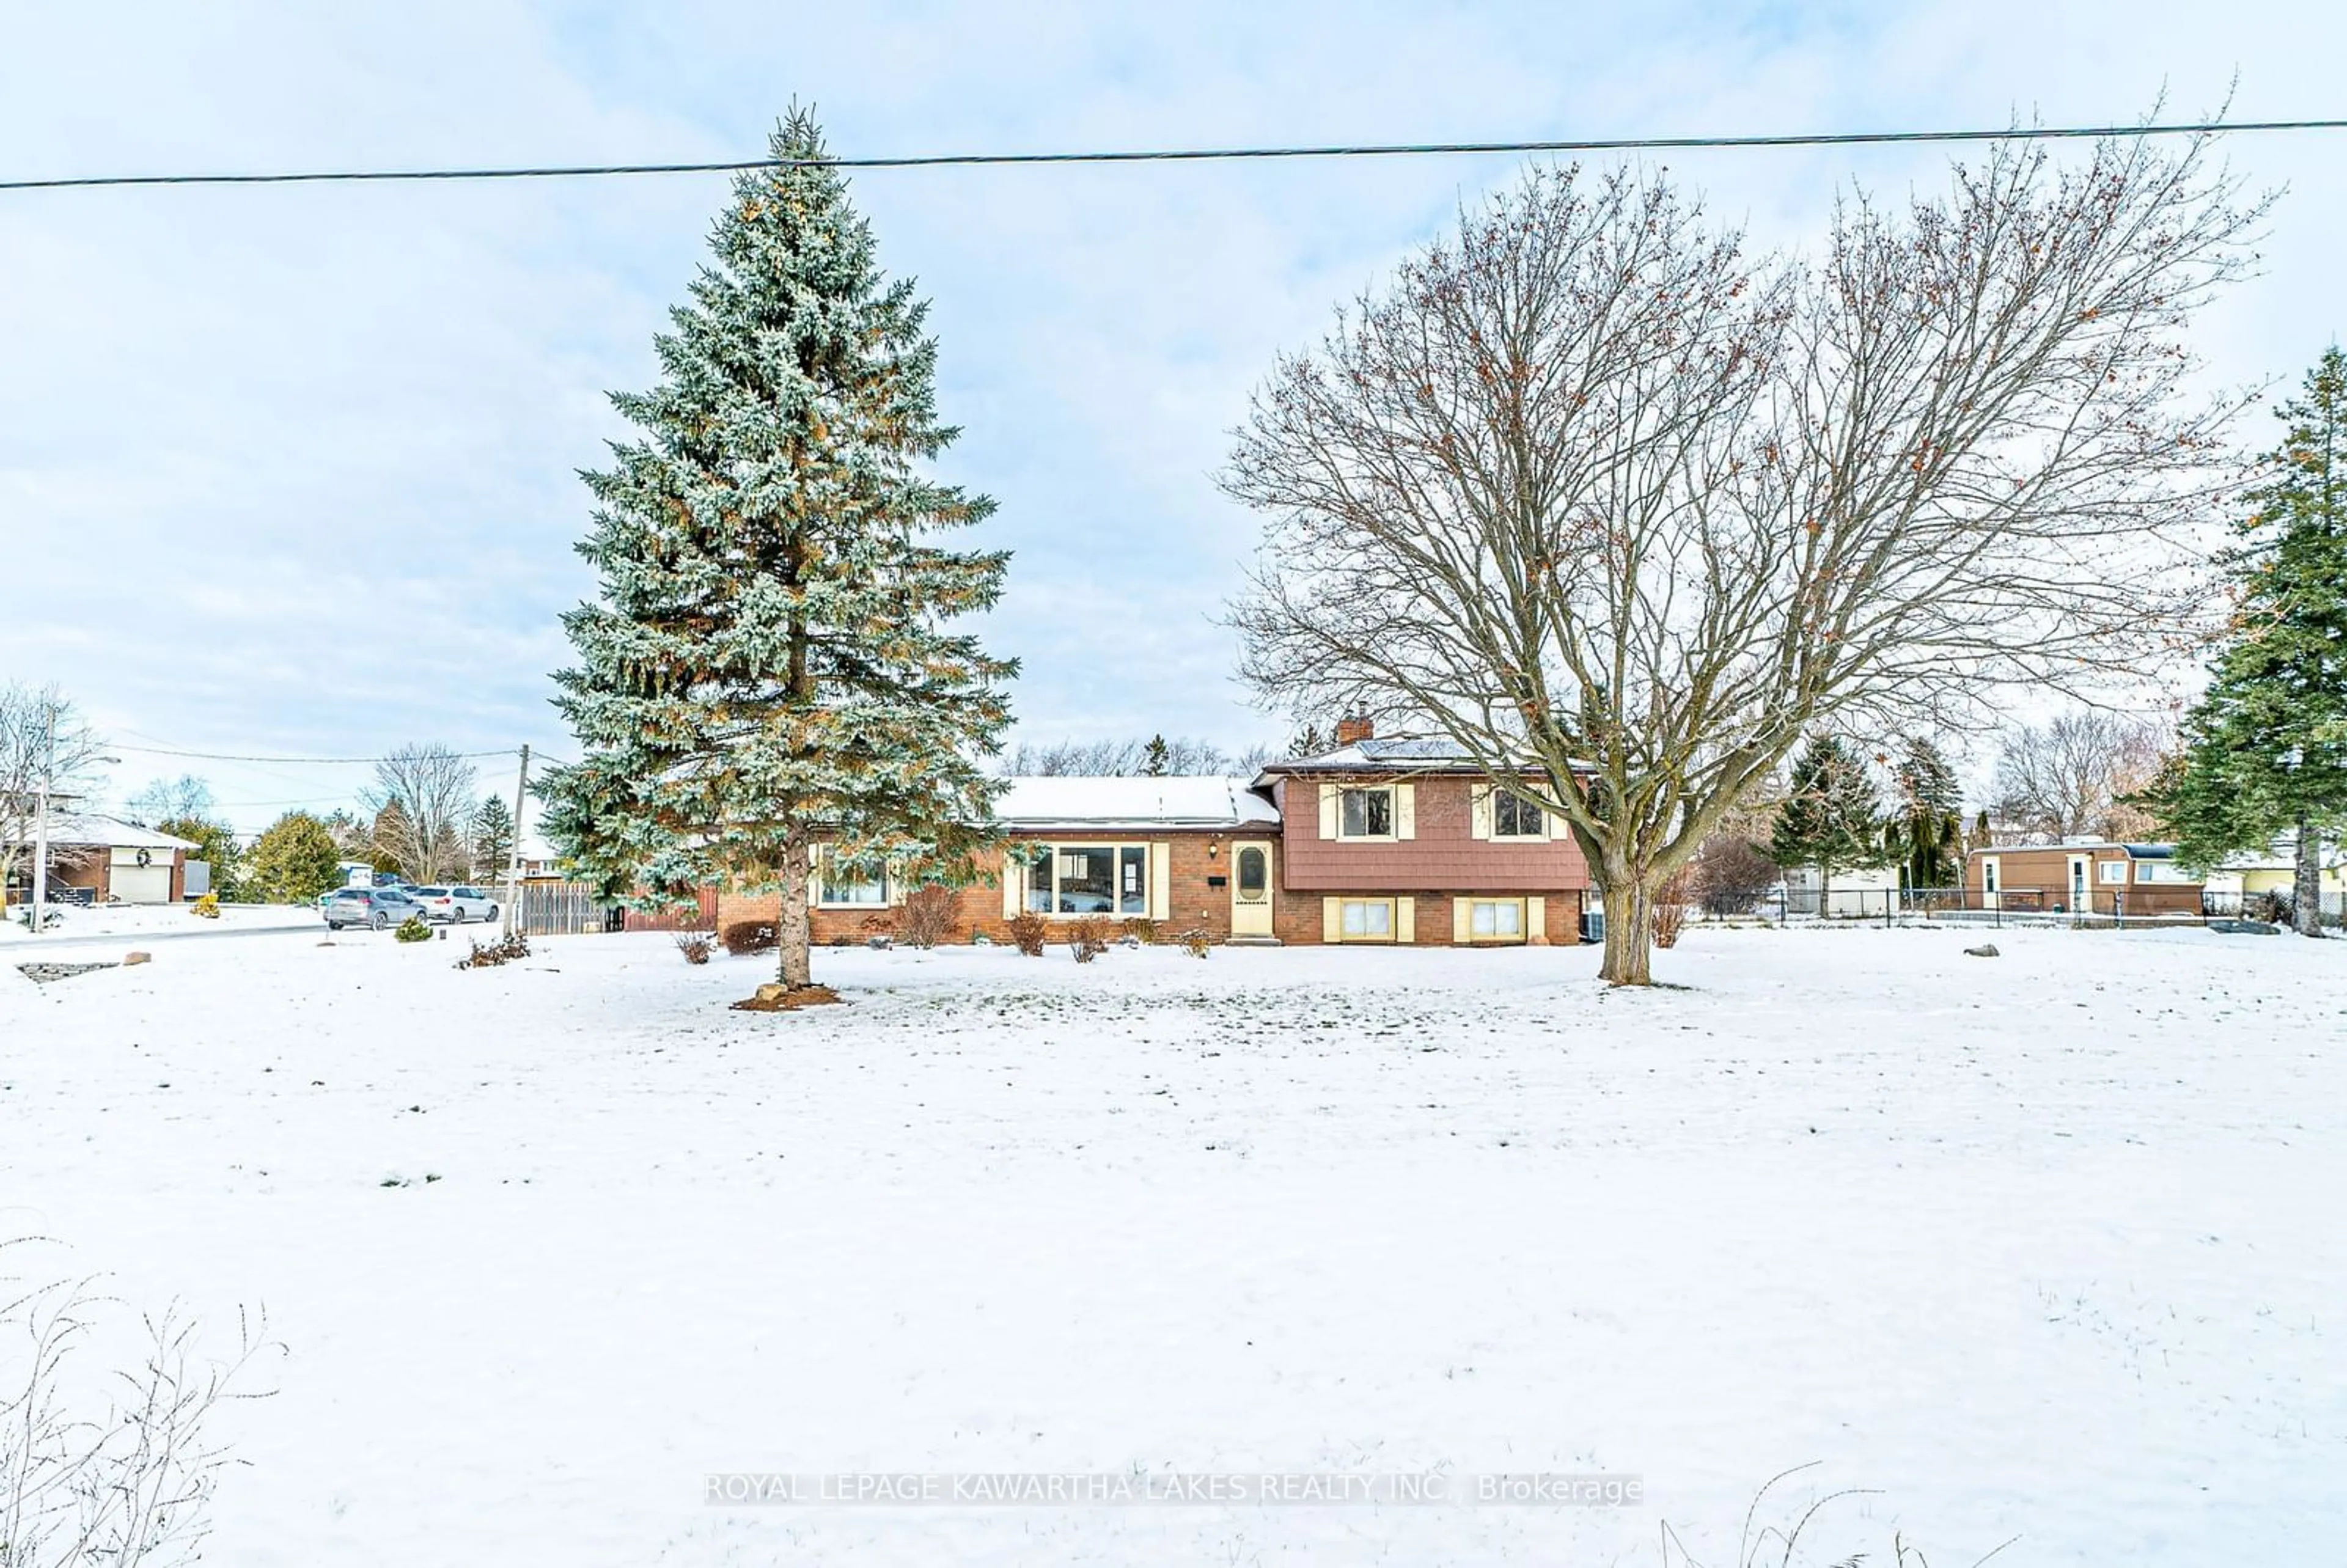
[455, 905]
[373, 907]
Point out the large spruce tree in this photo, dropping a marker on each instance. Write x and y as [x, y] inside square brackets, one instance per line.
[769, 666]
[1831, 817]
[2265, 749]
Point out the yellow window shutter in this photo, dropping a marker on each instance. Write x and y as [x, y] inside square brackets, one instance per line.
[1461, 921]
[1405, 915]
[1479, 814]
[1535, 919]
[1161, 881]
[1405, 811]
[1332, 920]
[1329, 811]
[1014, 871]
[895, 883]
[816, 863]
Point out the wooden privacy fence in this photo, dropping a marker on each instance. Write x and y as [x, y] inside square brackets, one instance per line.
[575, 909]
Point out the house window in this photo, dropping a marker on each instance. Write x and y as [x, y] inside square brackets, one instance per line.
[1495, 920]
[1366, 920]
[1365, 813]
[847, 885]
[2114, 873]
[1088, 879]
[1513, 816]
[2160, 871]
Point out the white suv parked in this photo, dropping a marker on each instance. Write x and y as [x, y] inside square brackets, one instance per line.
[455, 905]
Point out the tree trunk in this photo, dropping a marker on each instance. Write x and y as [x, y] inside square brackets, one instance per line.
[2306, 893]
[1629, 931]
[791, 925]
[1825, 888]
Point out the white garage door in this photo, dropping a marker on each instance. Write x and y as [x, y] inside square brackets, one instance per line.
[143, 883]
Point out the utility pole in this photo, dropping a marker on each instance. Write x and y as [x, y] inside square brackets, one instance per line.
[513, 861]
[41, 815]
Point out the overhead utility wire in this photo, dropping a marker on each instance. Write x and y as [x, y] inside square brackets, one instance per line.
[1193, 155]
[227, 757]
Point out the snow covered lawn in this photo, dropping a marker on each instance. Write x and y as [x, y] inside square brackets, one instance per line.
[2047, 1245]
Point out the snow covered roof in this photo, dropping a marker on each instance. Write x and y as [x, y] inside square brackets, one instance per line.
[1401, 754]
[1205, 801]
[90, 830]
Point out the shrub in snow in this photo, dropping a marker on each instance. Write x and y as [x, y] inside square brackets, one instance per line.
[1141, 931]
[504, 951]
[745, 936]
[1028, 932]
[412, 929]
[1197, 941]
[1088, 938]
[927, 917]
[1670, 908]
[124, 1479]
[696, 947]
[205, 907]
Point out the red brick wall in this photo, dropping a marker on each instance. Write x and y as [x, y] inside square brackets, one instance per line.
[1298, 920]
[1443, 853]
[1191, 903]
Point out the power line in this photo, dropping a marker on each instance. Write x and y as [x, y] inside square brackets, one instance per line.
[227, 757]
[1190, 155]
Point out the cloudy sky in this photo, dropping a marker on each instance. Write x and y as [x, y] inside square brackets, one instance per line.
[292, 471]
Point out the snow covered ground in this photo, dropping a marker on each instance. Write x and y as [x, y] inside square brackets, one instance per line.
[72, 923]
[2047, 1245]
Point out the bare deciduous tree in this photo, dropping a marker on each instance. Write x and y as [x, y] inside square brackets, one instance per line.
[1074, 759]
[181, 799]
[423, 800]
[2069, 776]
[45, 743]
[1607, 501]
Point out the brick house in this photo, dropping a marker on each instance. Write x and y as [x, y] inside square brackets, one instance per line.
[1381, 842]
[2081, 876]
[118, 862]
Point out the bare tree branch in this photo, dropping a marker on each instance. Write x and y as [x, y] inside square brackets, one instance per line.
[1598, 496]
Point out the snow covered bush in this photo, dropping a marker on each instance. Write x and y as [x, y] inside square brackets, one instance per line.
[1141, 931]
[1028, 932]
[927, 917]
[412, 929]
[205, 907]
[504, 951]
[1198, 942]
[123, 1476]
[696, 947]
[742, 938]
[1088, 938]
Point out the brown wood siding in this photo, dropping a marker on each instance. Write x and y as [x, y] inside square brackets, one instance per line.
[2037, 877]
[1443, 853]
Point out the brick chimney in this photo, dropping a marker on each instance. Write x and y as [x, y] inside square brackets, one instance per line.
[1353, 730]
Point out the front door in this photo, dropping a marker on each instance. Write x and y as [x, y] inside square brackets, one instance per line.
[1251, 889]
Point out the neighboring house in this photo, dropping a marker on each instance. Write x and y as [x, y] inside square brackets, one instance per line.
[1852, 893]
[1383, 842]
[2082, 876]
[118, 861]
[2275, 870]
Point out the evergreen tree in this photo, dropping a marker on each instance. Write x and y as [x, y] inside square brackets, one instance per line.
[216, 847]
[2265, 749]
[1831, 818]
[1156, 757]
[1927, 827]
[768, 664]
[293, 861]
[493, 838]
